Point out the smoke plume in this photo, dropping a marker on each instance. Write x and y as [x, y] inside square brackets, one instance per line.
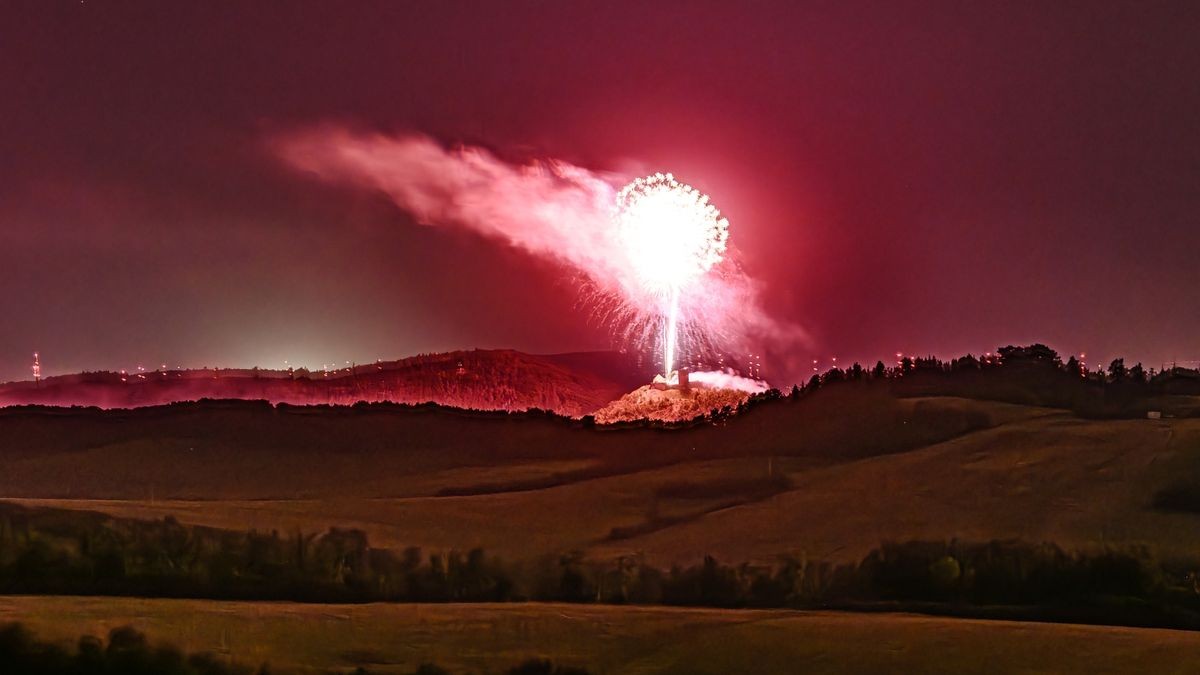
[549, 208]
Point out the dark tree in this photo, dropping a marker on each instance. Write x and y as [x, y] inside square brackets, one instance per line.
[1033, 354]
[1117, 371]
[1138, 374]
[968, 362]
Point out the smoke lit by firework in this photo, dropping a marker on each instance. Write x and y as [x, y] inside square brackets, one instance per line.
[655, 245]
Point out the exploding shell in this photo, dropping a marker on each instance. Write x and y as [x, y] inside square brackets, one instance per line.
[670, 232]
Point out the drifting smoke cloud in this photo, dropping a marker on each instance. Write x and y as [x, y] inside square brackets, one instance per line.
[551, 209]
[727, 379]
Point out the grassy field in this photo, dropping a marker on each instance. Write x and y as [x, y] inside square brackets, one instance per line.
[1052, 478]
[828, 481]
[642, 640]
[1034, 474]
[516, 524]
[248, 450]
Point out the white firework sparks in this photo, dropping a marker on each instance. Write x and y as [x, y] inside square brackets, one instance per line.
[671, 235]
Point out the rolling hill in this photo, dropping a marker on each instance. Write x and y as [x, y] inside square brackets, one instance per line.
[825, 476]
[829, 476]
[569, 384]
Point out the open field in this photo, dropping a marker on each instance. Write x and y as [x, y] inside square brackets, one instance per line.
[605, 639]
[1033, 474]
[515, 525]
[827, 478]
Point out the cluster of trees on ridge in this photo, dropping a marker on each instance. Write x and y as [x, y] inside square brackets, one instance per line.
[1011, 356]
[49, 551]
[1029, 375]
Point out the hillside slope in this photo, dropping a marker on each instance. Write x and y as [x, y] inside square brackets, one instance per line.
[568, 384]
[1079, 484]
[1052, 478]
[830, 476]
[249, 450]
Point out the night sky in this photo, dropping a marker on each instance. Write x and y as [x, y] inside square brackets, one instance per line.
[905, 177]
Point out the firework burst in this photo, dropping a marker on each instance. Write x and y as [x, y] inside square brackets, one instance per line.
[671, 235]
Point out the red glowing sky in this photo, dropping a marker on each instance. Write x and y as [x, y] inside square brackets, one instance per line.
[931, 178]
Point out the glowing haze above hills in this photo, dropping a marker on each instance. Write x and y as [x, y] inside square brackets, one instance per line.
[932, 178]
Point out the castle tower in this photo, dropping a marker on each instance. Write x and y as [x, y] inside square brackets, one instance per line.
[37, 370]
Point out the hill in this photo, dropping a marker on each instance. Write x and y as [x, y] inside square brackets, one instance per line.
[669, 405]
[568, 384]
[525, 485]
[829, 475]
[252, 450]
[1050, 477]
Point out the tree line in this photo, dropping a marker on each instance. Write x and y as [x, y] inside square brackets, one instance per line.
[1029, 375]
[48, 551]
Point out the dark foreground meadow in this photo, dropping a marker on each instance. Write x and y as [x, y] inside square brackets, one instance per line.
[493, 638]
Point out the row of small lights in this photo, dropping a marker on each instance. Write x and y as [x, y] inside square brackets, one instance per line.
[140, 371]
[988, 357]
